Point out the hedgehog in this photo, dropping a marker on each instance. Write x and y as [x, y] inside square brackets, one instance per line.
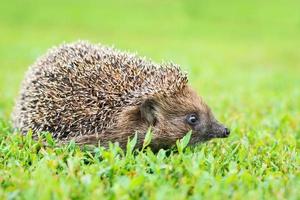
[95, 94]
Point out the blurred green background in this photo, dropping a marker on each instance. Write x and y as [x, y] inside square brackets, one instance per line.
[234, 51]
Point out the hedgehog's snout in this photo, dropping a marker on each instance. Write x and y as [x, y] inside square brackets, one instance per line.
[226, 132]
[219, 131]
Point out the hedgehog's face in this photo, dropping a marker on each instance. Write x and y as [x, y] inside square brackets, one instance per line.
[205, 126]
[172, 117]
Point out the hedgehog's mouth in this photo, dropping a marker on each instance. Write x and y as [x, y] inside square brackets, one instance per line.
[211, 136]
[217, 131]
[222, 134]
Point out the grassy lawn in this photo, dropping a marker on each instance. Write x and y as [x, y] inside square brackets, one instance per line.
[242, 57]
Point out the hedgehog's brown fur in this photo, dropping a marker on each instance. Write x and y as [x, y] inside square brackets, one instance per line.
[93, 93]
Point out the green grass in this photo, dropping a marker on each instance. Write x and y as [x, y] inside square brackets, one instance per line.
[242, 57]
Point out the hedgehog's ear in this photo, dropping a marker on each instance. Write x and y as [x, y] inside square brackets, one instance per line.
[147, 110]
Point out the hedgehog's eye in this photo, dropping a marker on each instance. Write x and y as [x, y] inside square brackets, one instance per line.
[192, 119]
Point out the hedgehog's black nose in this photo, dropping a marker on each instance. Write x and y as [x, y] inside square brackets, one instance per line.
[226, 132]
